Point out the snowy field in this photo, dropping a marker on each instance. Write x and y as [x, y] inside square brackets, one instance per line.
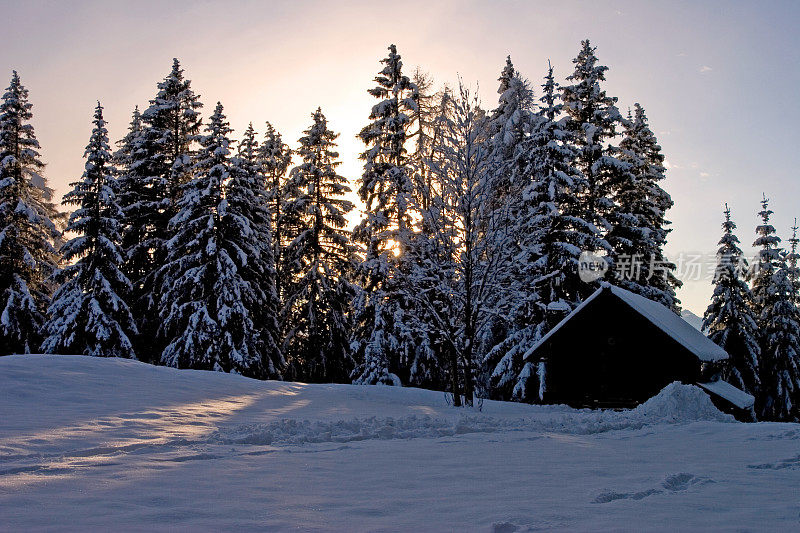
[90, 443]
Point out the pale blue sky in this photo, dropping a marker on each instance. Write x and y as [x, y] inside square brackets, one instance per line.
[719, 80]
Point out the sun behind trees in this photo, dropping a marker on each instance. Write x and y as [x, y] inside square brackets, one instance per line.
[194, 250]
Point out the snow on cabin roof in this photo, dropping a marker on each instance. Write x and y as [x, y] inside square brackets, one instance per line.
[723, 389]
[659, 315]
[673, 325]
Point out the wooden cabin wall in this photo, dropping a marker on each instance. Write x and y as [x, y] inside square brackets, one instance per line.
[610, 356]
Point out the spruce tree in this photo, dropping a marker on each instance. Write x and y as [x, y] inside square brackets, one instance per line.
[592, 119]
[175, 112]
[247, 150]
[773, 294]
[89, 314]
[792, 259]
[247, 197]
[27, 230]
[638, 225]
[768, 258]
[319, 297]
[130, 192]
[780, 372]
[161, 163]
[206, 302]
[382, 344]
[550, 235]
[729, 320]
[125, 154]
[274, 157]
[509, 125]
[137, 163]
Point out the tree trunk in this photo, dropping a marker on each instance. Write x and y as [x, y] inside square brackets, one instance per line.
[454, 377]
[469, 389]
[469, 317]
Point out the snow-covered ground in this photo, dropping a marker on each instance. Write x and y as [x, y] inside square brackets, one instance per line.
[89, 443]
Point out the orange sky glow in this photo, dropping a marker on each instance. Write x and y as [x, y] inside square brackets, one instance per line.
[697, 70]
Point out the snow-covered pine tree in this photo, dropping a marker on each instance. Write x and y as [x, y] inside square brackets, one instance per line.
[729, 320]
[206, 304]
[247, 198]
[123, 157]
[780, 351]
[638, 226]
[550, 235]
[247, 152]
[319, 297]
[592, 119]
[175, 111]
[274, 157]
[380, 342]
[792, 260]
[768, 257]
[160, 163]
[773, 294]
[28, 233]
[131, 190]
[509, 125]
[89, 314]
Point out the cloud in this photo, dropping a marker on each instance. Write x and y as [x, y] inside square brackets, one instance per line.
[682, 54]
[705, 68]
[704, 174]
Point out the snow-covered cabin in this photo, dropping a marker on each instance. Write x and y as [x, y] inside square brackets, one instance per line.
[617, 349]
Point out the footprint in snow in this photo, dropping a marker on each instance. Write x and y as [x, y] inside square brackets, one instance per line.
[790, 463]
[671, 484]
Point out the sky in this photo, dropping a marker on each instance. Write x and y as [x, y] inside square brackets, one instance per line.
[718, 80]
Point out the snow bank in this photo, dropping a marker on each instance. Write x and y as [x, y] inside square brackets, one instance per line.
[675, 404]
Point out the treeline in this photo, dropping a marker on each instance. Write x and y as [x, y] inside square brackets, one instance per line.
[758, 324]
[195, 250]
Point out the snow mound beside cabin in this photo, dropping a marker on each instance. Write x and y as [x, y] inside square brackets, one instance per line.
[680, 403]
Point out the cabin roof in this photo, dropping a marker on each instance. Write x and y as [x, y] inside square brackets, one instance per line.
[660, 316]
[725, 390]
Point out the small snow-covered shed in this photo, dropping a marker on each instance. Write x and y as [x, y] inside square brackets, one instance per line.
[730, 400]
[617, 349]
